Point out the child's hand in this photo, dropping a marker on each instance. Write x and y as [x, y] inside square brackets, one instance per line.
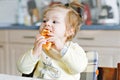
[56, 41]
[39, 41]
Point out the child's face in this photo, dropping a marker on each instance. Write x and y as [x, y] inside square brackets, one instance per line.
[54, 20]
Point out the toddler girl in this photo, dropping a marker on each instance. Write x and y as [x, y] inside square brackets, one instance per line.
[63, 60]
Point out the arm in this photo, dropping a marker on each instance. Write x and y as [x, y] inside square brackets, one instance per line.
[75, 59]
[27, 62]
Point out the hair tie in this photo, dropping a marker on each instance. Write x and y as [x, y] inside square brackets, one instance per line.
[81, 12]
[77, 9]
[67, 4]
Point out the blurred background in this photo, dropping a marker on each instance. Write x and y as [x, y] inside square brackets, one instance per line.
[20, 21]
[29, 12]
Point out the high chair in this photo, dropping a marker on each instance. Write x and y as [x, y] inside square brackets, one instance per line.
[109, 73]
[91, 72]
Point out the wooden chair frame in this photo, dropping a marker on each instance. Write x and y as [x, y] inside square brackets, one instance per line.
[109, 73]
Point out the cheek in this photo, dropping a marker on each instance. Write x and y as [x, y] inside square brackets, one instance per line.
[60, 31]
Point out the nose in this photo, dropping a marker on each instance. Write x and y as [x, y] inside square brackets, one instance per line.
[48, 23]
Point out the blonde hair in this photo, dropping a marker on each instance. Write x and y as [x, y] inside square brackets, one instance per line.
[73, 18]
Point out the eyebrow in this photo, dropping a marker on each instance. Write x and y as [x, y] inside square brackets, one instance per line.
[56, 18]
[53, 17]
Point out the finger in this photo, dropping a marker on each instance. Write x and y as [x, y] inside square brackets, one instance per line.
[39, 37]
[40, 42]
[51, 39]
[50, 34]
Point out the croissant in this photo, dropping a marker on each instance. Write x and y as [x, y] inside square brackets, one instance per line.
[45, 33]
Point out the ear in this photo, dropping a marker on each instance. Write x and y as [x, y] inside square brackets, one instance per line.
[70, 32]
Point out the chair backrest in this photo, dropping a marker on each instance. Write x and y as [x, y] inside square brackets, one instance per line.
[109, 73]
[90, 72]
[118, 71]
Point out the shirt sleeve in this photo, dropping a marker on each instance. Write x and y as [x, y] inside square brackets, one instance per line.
[75, 59]
[27, 62]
